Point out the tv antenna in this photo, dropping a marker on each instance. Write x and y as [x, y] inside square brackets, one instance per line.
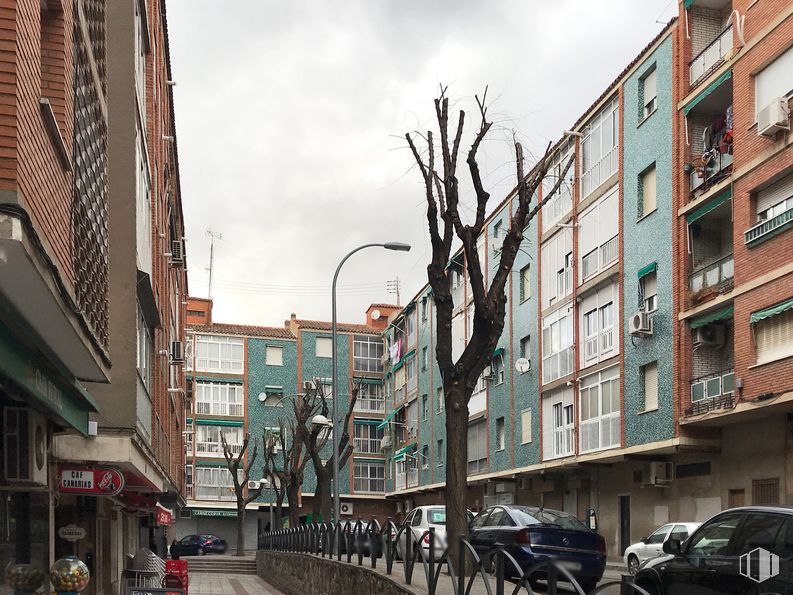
[393, 287]
[213, 235]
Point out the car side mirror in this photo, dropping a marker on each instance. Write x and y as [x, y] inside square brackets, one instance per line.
[643, 540]
[672, 546]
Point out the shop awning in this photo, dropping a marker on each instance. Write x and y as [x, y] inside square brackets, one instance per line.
[716, 316]
[706, 91]
[387, 419]
[772, 311]
[400, 454]
[650, 268]
[498, 351]
[709, 206]
[219, 422]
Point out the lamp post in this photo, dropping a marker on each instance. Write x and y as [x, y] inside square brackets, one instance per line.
[400, 247]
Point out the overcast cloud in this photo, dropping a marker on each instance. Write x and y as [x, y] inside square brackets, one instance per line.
[291, 115]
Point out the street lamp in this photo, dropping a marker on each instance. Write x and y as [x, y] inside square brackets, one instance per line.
[399, 247]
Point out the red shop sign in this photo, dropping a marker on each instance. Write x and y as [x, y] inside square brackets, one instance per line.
[91, 482]
[164, 516]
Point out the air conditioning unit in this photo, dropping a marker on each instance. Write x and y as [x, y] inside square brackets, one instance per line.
[710, 335]
[658, 473]
[345, 508]
[177, 252]
[309, 385]
[487, 373]
[177, 352]
[773, 117]
[25, 446]
[640, 324]
[385, 442]
[253, 484]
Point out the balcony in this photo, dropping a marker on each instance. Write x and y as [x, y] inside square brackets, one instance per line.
[711, 57]
[710, 241]
[705, 175]
[712, 279]
[600, 258]
[601, 432]
[563, 441]
[222, 493]
[769, 228]
[367, 445]
[370, 405]
[408, 479]
[557, 365]
[401, 393]
[711, 392]
[600, 171]
[215, 449]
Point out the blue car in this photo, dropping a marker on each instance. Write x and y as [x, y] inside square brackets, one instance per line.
[531, 534]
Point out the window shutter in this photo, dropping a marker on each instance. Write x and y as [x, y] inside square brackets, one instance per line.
[648, 191]
[774, 337]
[650, 86]
[525, 426]
[651, 386]
[776, 80]
[775, 194]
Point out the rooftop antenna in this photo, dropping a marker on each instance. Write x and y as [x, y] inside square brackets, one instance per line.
[393, 287]
[212, 235]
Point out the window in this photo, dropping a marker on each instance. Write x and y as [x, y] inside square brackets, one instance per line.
[324, 347]
[142, 205]
[424, 358]
[425, 412]
[209, 444]
[324, 386]
[188, 437]
[597, 325]
[525, 426]
[561, 203]
[144, 352]
[775, 80]
[558, 424]
[647, 201]
[274, 356]
[478, 401]
[215, 483]
[500, 439]
[598, 244]
[141, 48]
[498, 369]
[273, 398]
[774, 206]
[369, 477]
[498, 236]
[599, 399]
[647, 94]
[659, 535]
[525, 283]
[367, 437]
[412, 416]
[525, 347]
[367, 354]
[679, 533]
[648, 292]
[714, 537]
[649, 373]
[599, 148]
[219, 354]
[410, 375]
[425, 457]
[556, 280]
[765, 491]
[477, 447]
[214, 398]
[371, 397]
[410, 328]
[440, 399]
[439, 452]
[557, 345]
[774, 337]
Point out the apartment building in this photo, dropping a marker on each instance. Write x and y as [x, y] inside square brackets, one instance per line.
[243, 379]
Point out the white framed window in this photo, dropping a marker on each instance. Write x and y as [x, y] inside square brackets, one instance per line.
[425, 407]
[598, 242]
[371, 397]
[189, 354]
[458, 335]
[209, 444]
[189, 433]
[600, 148]
[774, 337]
[477, 448]
[410, 327]
[142, 205]
[557, 267]
[558, 424]
[500, 434]
[557, 345]
[424, 302]
[775, 200]
[525, 347]
[144, 351]
[215, 398]
[599, 404]
[525, 426]
[498, 236]
[274, 356]
[525, 283]
[369, 477]
[498, 369]
[218, 353]
[478, 401]
[649, 374]
[215, 483]
[325, 385]
[367, 437]
[561, 203]
[324, 347]
[425, 457]
[597, 325]
[367, 352]
[141, 49]
[412, 419]
[647, 192]
[775, 80]
[411, 374]
[648, 93]
[648, 292]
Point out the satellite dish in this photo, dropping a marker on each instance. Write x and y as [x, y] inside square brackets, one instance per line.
[376, 314]
[262, 397]
[523, 365]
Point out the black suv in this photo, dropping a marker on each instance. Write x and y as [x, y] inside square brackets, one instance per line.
[746, 551]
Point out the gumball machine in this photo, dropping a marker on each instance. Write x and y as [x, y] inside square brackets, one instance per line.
[69, 576]
[24, 579]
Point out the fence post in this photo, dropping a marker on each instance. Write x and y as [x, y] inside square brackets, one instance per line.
[553, 578]
[461, 568]
[431, 563]
[499, 569]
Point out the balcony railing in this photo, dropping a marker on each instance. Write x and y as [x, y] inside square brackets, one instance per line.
[769, 227]
[401, 393]
[712, 275]
[599, 258]
[600, 432]
[716, 169]
[563, 441]
[719, 384]
[215, 449]
[557, 365]
[370, 405]
[409, 479]
[214, 408]
[206, 492]
[367, 445]
[710, 56]
[599, 172]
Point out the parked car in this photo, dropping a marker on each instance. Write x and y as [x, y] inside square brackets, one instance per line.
[532, 534]
[745, 551]
[652, 545]
[198, 545]
[418, 522]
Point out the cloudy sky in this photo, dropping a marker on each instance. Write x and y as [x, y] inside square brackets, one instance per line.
[291, 119]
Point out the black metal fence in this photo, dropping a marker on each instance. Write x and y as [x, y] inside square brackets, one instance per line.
[497, 570]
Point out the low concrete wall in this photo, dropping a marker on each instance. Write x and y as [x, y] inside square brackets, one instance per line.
[304, 574]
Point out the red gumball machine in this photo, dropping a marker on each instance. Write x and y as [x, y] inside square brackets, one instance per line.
[176, 576]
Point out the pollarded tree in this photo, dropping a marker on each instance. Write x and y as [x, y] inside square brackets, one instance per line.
[240, 469]
[442, 194]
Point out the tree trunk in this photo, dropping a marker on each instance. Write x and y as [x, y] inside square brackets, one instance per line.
[456, 467]
[278, 515]
[294, 512]
[240, 530]
[323, 497]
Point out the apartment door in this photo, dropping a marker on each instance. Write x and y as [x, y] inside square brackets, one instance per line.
[625, 523]
[570, 505]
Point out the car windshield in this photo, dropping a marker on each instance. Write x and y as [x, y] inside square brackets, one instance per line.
[436, 516]
[553, 518]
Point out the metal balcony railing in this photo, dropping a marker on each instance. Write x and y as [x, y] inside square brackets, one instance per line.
[769, 226]
[207, 492]
[711, 56]
[370, 405]
[713, 274]
[600, 171]
[710, 386]
[716, 169]
[367, 445]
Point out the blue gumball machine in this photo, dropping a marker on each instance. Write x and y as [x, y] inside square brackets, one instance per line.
[69, 576]
[24, 579]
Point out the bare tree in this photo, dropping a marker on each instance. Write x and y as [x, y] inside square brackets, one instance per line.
[274, 443]
[235, 464]
[443, 216]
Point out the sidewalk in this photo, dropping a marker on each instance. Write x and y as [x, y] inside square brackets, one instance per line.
[229, 584]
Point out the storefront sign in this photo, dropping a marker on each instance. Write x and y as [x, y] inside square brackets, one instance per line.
[91, 482]
[222, 513]
[164, 516]
[71, 533]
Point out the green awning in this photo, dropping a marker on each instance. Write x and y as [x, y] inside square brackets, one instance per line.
[498, 351]
[650, 268]
[369, 460]
[369, 380]
[706, 91]
[367, 422]
[709, 206]
[388, 417]
[219, 380]
[219, 422]
[402, 361]
[273, 389]
[722, 314]
[220, 464]
[772, 311]
[400, 454]
[687, 4]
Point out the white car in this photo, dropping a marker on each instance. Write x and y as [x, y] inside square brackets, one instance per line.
[418, 521]
[652, 546]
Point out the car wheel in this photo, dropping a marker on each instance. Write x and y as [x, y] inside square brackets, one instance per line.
[633, 564]
[648, 586]
[201, 551]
